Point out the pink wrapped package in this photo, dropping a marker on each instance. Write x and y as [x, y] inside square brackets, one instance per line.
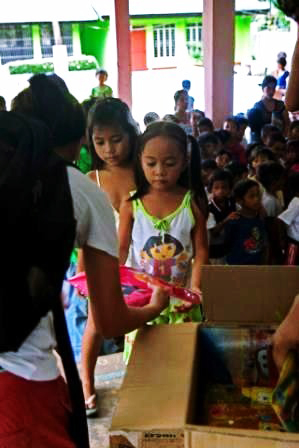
[136, 287]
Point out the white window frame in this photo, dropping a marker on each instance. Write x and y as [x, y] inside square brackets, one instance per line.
[164, 42]
[194, 40]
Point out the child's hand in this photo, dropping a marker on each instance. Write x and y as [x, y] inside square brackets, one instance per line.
[286, 336]
[186, 306]
[232, 216]
[160, 298]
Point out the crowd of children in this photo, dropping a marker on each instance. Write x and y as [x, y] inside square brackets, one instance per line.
[182, 201]
[186, 194]
[249, 187]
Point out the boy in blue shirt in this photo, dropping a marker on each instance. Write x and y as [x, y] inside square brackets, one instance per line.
[246, 236]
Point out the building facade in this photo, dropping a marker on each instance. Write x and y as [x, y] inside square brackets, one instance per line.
[163, 34]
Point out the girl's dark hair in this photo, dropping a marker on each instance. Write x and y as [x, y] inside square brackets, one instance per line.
[205, 121]
[242, 120]
[242, 187]
[190, 177]
[224, 152]
[179, 93]
[288, 7]
[209, 164]
[48, 99]
[268, 81]
[111, 112]
[269, 129]
[87, 105]
[223, 135]
[293, 125]
[236, 169]
[234, 120]
[269, 172]
[293, 146]
[220, 176]
[262, 151]
[207, 137]
[282, 61]
[101, 71]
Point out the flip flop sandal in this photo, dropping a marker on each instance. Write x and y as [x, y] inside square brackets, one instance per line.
[91, 407]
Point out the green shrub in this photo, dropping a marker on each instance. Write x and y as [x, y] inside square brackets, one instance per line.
[82, 65]
[48, 67]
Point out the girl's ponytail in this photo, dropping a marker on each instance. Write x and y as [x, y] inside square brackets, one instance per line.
[195, 180]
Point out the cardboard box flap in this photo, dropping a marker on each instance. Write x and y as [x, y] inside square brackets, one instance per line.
[248, 294]
[156, 388]
[205, 436]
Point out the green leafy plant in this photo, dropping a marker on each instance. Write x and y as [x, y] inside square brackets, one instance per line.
[82, 65]
[48, 67]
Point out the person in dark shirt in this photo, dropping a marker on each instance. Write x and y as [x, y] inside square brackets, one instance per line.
[222, 208]
[246, 236]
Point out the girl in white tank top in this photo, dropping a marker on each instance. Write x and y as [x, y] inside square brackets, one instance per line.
[165, 220]
[112, 139]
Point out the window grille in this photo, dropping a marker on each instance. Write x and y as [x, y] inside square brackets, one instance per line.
[164, 41]
[47, 38]
[194, 39]
[15, 42]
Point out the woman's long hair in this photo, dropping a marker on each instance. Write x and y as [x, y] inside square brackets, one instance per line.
[48, 100]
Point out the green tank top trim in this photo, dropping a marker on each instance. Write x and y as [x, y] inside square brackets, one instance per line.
[163, 225]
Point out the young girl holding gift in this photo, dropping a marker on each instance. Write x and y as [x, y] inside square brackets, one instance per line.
[165, 220]
[112, 138]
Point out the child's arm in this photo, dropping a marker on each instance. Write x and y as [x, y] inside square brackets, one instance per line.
[292, 94]
[80, 262]
[220, 226]
[274, 240]
[200, 245]
[125, 229]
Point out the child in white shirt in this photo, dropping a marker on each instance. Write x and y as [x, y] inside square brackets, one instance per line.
[291, 219]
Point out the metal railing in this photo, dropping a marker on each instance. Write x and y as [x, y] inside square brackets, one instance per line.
[14, 49]
[22, 48]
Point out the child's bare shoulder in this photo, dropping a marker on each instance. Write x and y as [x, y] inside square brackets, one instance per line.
[92, 175]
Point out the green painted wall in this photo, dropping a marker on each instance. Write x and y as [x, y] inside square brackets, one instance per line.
[164, 21]
[93, 39]
[94, 34]
[242, 31]
[242, 38]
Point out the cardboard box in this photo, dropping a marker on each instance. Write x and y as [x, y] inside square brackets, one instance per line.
[158, 404]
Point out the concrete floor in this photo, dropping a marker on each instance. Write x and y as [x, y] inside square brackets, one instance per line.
[109, 374]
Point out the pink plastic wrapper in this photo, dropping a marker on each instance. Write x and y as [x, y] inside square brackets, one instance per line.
[139, 283]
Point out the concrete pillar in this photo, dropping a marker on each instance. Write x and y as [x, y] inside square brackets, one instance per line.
[57, 33]
[76, 39]
[182, 56]
[37, 49]
[218, 47]
[60, 60]
[123, 50]
[109, 62]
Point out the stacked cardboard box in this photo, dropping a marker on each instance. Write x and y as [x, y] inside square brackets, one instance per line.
[162, 398]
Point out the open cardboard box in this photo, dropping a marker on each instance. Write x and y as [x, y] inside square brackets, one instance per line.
[158, 403]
